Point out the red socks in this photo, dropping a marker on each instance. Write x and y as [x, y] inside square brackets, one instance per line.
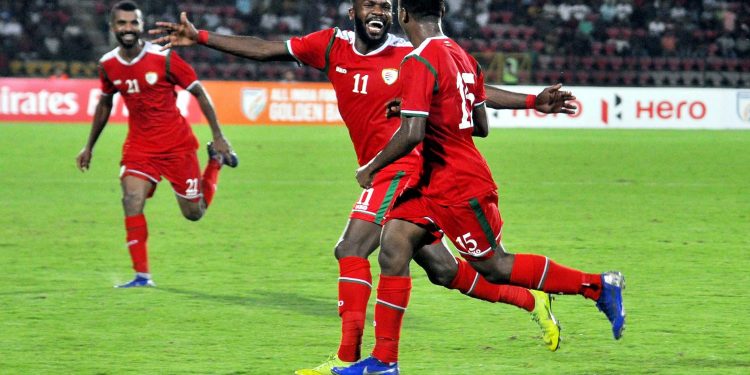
[210, 179]
[137, 234]
[355, 285]
[538, 272]
[393, 298]
[469, 282]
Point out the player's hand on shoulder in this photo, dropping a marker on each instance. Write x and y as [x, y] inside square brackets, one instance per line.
[83, 160]
[175, 34]
[554, 100]
[393, 108]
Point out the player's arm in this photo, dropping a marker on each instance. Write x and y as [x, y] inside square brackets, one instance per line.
[481, 125]
[550, 100]
[185, 34]
[409, 135]
[101, 116]
[220, 143]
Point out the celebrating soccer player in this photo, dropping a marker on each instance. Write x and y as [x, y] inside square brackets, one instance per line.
[443, 106]
[160, 142]
[363, 66]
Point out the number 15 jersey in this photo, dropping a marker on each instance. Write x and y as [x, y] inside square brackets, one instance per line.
[444, 84]
[363, 85]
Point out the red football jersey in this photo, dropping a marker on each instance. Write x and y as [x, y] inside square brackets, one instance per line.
[444, 85]
[147, 84]
[363, 84]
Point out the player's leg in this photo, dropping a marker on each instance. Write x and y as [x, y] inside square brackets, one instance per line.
[360, 238]
[398, 241]
[183, 173]
[444, 269]
[530, 270]
[210, 178]
[136, 188]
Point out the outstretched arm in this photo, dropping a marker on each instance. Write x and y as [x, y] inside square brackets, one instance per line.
[220, 143]
[185, 34]
[408, 136]
[550, 100]
[101, 115]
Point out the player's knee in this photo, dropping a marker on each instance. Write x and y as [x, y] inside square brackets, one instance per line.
[193, 215]
[440, 274]
[132, 202]
[346, 248]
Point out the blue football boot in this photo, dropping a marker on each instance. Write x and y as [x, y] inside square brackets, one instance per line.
[610, 301]
[368, 366]
[139, 281]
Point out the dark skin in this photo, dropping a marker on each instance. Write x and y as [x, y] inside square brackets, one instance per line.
[400, 238]
[127, 27]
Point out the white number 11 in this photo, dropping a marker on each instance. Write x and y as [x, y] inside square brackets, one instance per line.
[364, 83]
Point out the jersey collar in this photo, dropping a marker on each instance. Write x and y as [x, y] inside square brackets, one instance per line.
[388, 42]
[146, 45]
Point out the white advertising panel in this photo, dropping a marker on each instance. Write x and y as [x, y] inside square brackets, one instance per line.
[636, 108]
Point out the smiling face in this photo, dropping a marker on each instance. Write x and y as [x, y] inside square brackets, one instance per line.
[372, 19]
[127, 26]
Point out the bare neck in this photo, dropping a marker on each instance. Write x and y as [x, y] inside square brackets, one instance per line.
[419, 32]
[130, 53]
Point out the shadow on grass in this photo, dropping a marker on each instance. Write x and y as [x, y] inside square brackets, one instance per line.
[279, 300]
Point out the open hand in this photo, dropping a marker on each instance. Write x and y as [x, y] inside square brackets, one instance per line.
[181, 34]
[552, 100]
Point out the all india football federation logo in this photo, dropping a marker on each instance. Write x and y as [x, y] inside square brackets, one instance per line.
[743, 105]
[254, 102]
[151, 78]
[390, 76]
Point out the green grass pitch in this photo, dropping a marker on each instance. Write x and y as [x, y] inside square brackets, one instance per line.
[251, 289]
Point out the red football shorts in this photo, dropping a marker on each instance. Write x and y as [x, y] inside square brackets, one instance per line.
[181, 170]
[474, 226]
[375, 202]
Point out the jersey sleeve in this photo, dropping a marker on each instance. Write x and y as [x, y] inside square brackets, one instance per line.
[108, 88]
[418, 88]
[180, 72]
[312, 49]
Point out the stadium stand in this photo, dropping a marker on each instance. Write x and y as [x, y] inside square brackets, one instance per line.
[593, 42]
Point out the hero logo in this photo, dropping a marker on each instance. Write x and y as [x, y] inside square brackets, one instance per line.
[616, 109]
[743, 105]
[254, 102]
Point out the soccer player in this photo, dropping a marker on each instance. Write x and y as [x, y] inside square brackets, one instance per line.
[442, 107]
[363, 67]
[160, 141]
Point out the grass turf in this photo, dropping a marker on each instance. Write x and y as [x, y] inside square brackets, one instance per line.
[251, 288]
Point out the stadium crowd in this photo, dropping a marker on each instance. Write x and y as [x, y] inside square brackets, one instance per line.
[598, 42]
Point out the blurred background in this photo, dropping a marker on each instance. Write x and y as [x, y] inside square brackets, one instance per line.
[693, 43]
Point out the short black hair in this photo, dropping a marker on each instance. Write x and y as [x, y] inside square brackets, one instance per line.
[124, 5]
[423, 8]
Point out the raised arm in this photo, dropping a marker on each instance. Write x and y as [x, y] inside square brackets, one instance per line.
[185, 34]
[408, 136]
[101, 116]
[550, 100]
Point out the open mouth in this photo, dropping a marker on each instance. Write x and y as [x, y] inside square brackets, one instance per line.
[128, 38]
[375, 26]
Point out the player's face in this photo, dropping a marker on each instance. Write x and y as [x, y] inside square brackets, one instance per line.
[372, 19]
[127, 27]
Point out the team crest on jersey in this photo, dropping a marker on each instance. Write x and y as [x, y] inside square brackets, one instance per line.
[254, 102]
[743, 105]
[390, 76]
[151, 78]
